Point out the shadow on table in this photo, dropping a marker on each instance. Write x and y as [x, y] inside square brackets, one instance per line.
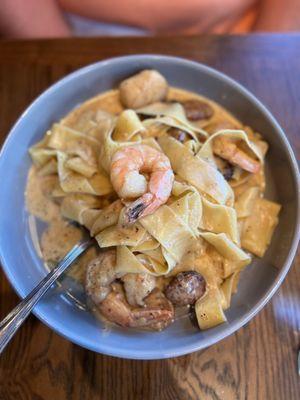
[110, 378]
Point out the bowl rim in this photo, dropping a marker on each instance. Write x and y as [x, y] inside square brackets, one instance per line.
[187, 348]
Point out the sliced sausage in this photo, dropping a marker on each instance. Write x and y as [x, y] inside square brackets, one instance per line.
[197, 109]
[186, 288]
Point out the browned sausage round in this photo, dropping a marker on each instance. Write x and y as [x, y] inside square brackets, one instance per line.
[197, 109]
[186, 288]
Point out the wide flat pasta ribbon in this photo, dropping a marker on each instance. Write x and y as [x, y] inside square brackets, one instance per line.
[116, 236]
[209, 310]
[227, 289]
[245, 202]
[258, 228]
[77, 164]
[109, 146]
[90, 122]
[108, 216]
[172, 123]
[173, 115]
[206, 151]
[74, 205]
[41, 156]
[204, 177]
[67, 139]
[188, 206]
[219, 218]
[72, 182]
[49, 168]
[226, 248]
[127, 126]
[170, 231]
[147, 243]
[128, 262]
[121, 234]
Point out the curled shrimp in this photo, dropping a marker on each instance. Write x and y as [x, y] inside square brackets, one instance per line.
[99, 276]
[137, 287]
[227, 149]
[101, 273]
[140, 305]
[157, 313]
[127, 167]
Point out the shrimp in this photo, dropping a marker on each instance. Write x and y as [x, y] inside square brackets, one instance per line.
[226, 148]
[100, 274]
[157, 314]
[124, 307]
[137, 287]
[126, 167]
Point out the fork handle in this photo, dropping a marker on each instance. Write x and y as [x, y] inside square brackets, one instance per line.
[11, 323]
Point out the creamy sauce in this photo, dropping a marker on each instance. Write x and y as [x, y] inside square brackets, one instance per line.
[60, 236]
[108, 101]
[37, 197]
[220, 114]
[58, 239]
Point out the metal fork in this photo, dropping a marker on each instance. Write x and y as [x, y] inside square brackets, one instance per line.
[12, 322]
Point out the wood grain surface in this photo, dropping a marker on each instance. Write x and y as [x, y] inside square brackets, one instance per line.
[257, 362]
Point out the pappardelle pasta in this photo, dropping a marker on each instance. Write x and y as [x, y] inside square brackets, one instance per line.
[172, 188]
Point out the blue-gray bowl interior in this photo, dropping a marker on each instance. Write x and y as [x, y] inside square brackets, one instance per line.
[25, 269]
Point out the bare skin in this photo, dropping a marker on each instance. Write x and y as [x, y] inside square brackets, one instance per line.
[18, 18]
[158, 15]
[32, 19]
[278, 15]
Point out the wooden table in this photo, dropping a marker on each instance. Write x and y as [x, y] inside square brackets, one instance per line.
[257, 362]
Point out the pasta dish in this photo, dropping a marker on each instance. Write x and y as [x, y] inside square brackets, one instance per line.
[170, 185]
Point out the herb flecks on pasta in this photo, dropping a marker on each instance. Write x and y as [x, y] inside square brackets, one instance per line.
[171, 186]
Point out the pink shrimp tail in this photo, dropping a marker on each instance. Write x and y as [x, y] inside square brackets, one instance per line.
[139, 208]
[148, 203]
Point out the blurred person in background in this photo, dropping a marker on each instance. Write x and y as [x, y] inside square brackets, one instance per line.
[64, 18]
